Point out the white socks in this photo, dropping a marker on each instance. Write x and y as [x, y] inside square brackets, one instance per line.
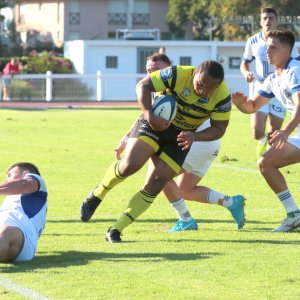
[264, 139]
[287, 201]
[215, 197]
[182, 210]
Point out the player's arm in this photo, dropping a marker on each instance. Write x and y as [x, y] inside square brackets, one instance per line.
[249, 106]
[143, 91]
[279, 137]
[216, 131]
[23, 186]
[245, 70]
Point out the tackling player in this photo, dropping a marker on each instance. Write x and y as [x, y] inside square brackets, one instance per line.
[284, 84]
[256, 49]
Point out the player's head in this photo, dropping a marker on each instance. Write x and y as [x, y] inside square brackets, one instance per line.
[208, 77]
[20, 169]
[157, 61]
[268, 19]
[162, 50]
[13, 61]
[280, 43]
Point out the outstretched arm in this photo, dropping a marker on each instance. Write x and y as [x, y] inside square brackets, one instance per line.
[249, 106]
[17, 187]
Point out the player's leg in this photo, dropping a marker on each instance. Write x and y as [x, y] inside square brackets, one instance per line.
[258, 124]
[142, 200]
[276, 117]
[143, 143]
[11, 242]
[269, 165]
[136, 155]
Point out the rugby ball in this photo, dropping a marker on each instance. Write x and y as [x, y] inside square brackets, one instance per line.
[165, 107]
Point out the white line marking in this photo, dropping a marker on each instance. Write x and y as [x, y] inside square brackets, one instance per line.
[22, 290]
[235, 168]
[5, 136]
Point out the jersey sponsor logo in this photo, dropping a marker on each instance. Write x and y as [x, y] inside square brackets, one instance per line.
[203, 100]
[224, 108]
[278, 108]
[186, 92]
[186, 108]
[166, 74]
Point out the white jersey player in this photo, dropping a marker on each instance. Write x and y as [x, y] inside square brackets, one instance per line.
[23, 212]
[284, 84]
[256, 50]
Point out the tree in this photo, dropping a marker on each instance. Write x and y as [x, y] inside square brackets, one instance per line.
[200, 12]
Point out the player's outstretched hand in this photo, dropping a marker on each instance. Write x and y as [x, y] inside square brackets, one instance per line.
[158, 123]
[239, 98]
[249, 77]
[186, 139]
[119, 150]
[279, 138]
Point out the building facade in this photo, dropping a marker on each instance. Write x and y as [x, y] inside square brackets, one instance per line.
[55, 21]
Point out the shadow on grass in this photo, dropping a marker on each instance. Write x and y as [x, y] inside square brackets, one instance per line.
[43, 260]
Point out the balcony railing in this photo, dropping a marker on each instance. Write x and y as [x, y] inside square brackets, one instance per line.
[140, 19]
[117, 19]
[74, 18]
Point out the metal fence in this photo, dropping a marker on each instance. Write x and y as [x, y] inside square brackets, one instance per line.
[94, 87]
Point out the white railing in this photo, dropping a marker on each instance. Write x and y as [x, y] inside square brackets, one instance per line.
[93, 87]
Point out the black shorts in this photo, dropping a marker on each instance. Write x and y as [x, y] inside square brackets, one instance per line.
[163, 142]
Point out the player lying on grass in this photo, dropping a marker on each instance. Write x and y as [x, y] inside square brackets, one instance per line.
[195, 166]
[201, 93]
[23, 212]
[256, 49]
[284, 84]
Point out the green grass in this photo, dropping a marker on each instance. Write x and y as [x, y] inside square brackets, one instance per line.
[74, 148]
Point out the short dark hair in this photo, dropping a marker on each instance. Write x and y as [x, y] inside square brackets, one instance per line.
[160, 57]
[285, 36]
[269, 10]
[25, 166]
[212, 68]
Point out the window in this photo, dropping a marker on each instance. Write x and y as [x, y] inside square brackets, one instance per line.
[112, 35]
[140, 14]
[234, 62]
[23, 8]
[117, 12]
[74, 14]
[59, 12]
[73, 35]
[185, 61]
[59, 35]
[111, 62]
[41, 6]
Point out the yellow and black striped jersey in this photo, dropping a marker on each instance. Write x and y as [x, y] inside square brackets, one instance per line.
[192, 110]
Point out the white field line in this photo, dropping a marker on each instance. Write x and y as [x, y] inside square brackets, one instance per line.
[22, 290]
[235, 168]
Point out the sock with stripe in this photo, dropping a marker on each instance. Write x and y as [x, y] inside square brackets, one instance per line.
[288, 202]
[111, 179]
[138, 204]
[214, 197]
[181, 209]
[264, 139]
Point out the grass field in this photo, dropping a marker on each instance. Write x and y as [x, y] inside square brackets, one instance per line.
[73, 149]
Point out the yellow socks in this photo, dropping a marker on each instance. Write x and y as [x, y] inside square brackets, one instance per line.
[111, 179]
[138, 204]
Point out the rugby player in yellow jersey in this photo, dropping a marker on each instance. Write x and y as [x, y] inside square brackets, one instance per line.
[201, 93]
[196, 165]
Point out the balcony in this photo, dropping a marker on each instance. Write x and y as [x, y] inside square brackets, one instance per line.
[117, 19]
[140, 19]
[74, 18]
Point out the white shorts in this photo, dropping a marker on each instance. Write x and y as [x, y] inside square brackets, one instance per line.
[295, 140]
[29, 249]
[200, 157]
